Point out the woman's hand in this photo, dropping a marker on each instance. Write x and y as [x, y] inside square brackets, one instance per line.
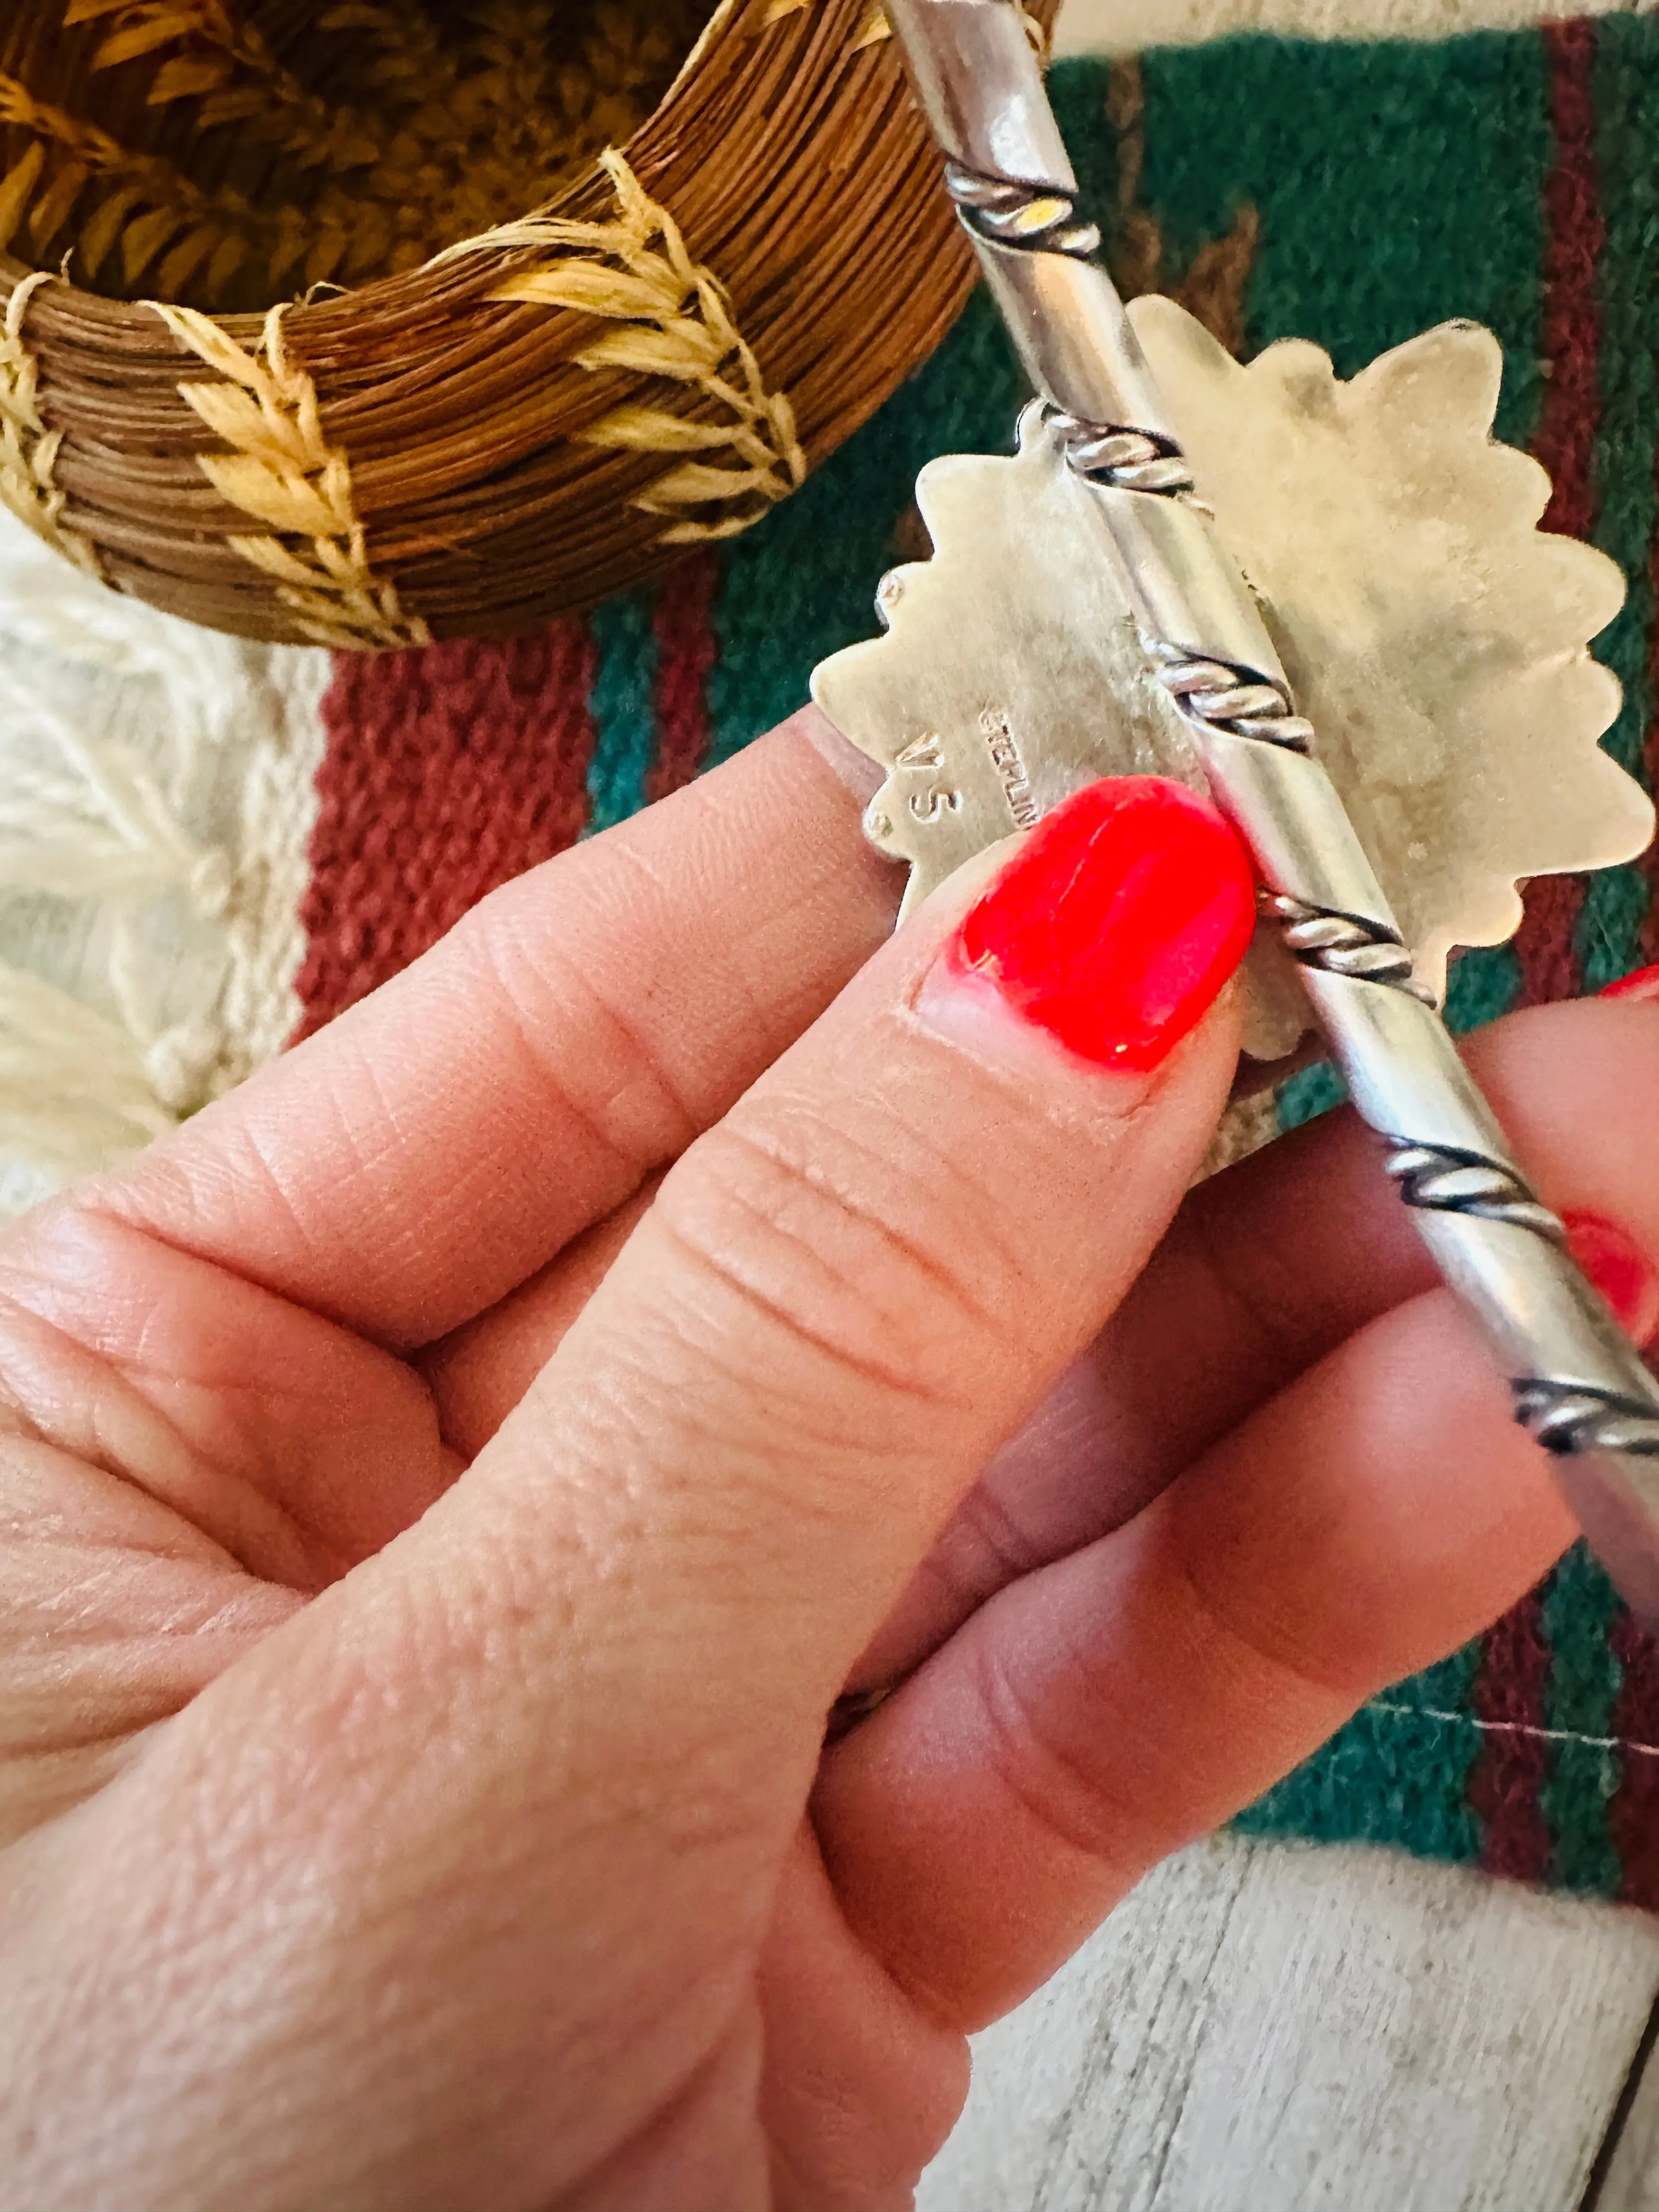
[435, 1538]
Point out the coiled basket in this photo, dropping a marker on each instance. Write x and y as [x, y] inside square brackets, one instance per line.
[363, 324]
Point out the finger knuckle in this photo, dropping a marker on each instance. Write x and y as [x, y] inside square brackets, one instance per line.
[605, 1064]
[839, 1284]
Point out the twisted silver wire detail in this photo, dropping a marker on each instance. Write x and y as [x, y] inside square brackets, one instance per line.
[1222, 696]
[1448, 1181]
[1234, 699]
[1567, 1420]
[1038, 219]
[1343, 945]
[1021, 214]
[1128, 459]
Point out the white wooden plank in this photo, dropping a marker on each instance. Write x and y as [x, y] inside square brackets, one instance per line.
[1262, 2028]
[1630, 2182]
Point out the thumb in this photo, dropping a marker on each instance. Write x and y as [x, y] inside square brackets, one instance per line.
[849, 1292]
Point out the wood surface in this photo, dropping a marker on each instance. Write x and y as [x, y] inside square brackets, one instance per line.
[1262, 2028]
[1626, 2176]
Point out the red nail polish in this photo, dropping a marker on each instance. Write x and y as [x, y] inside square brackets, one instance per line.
[1643, 984]
[1619, 1270]
[1119, 921]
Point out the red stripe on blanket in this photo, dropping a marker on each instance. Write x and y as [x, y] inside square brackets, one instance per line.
[1507, 1696]
[1633, 1813]
[686, 651]
[1509, 1776]
[1575, 235]
[447, 772]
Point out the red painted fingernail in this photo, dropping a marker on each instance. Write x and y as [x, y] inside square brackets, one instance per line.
[1643, 984]
[1619, 1270]
[1117, 924]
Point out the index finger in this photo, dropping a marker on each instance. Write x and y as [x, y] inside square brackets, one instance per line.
[407, 1167]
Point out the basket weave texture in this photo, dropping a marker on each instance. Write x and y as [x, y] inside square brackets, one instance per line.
[368, 324]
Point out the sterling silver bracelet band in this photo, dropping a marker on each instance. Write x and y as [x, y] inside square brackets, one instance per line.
[1579, 1386]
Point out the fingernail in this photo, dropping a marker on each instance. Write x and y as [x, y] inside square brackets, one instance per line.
[1643, 984]
[1118, 923]
[1619, 1270]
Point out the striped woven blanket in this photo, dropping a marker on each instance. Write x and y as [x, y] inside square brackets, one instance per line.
[1353, 194]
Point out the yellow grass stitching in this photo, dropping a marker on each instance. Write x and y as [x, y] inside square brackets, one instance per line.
[673, 319]
[28, 449]
[282, 470]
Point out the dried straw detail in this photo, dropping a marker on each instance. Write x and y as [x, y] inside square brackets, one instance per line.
[28, 449]
[153, 209]
[282, 470]
[409, 56]
[495, 116]
[212, 55]
[675, 321]
[875, 28]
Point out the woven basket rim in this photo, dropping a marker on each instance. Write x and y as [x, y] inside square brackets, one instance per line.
[565, 201]
[538, 416]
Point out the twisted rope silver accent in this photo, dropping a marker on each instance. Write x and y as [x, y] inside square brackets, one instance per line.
[1567, 1420]
[1448, 1181]
[1021, 214]
[1344, 945]
[1035, 219]
[1235, 699]
[1128, 458]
